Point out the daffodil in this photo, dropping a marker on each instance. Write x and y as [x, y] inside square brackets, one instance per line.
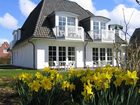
[131, 78]
[38, 75]
[68, 86]
[25, 77]
[34, 86]
[46, 83]
[88, 93]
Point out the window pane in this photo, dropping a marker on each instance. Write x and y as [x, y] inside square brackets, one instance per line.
[52, 55]
[95, 54]
[62, 54]
[62, 22]
[109, 56]
[103, 25]
[71, 21]
[71, 53]
[102, 54]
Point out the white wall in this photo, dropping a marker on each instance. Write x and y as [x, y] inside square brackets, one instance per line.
[23, 55]
[42, 51]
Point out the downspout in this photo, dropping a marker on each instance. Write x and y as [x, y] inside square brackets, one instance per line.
[33, 52]
[85, 52]
[11, 57]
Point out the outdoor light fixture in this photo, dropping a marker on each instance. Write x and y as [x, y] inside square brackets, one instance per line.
[138, 1]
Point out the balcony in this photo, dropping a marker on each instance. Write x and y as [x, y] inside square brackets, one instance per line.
[69, 33]
[103, 36]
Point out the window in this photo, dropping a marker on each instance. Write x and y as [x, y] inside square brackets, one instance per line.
[96, 30]
[103, 25]
[109, 55]
[5, 51]
[71, 53]
[62, 22]
[96, 27]
[102, 54]
[71, 21]
[62, 53]
[95, 55]
[52, 55]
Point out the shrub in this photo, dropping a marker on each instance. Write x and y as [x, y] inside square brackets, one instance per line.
[103, 86]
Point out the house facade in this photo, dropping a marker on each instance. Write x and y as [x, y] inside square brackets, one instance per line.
[4, 53]
[61, 34]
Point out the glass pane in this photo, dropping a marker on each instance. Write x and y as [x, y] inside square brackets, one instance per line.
[52, 55]
[71, 21]
[71, 53]
[95, 54]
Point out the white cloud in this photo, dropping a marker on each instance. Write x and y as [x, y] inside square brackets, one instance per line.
[86, 4]
[4, 40]
[26, 6]
[8, 21]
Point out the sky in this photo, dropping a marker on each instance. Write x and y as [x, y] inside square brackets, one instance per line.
[13, 13]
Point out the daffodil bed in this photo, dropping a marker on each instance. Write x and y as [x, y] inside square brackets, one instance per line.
[103, 86]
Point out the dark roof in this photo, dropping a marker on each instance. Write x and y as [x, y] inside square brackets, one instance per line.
[33, 26]
[115, 26]
[119, 40]
[135, 38]
[103, 18]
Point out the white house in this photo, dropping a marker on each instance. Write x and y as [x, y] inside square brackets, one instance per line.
[60, 34]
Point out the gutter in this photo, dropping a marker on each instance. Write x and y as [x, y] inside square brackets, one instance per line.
[85, 47]
[33, 52]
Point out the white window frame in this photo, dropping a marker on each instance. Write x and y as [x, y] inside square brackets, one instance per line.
[95, 56]
[109, 56]
[103, 57]
[52, 62]
[71, 53]
[65, 62]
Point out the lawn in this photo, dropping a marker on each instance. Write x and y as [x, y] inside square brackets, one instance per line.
[14, 72]
[8, 95]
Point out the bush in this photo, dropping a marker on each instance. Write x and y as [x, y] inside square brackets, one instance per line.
[5, 60]
[106, 86]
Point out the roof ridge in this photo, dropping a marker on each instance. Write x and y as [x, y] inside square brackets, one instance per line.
[87, 11]
[39, 17]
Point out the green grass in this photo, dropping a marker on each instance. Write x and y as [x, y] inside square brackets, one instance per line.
[7, 76]
[14, 72]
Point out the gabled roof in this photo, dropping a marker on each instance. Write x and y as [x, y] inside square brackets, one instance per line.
[135, 38]
[33, 26]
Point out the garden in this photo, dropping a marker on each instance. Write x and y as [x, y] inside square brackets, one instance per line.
[8, 94]
[102, 86]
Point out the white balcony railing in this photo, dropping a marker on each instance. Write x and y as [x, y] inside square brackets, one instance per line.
[69, 32]
[103, 35]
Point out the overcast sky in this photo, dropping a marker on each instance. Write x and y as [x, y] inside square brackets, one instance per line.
[13, 13]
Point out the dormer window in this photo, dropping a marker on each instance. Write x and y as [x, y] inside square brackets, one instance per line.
[17, 34]
[71, 21]
[103, 25]
[62, 22]
[66, 19]
[96, 27]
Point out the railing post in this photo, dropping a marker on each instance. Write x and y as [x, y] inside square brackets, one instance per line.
[66, 32]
